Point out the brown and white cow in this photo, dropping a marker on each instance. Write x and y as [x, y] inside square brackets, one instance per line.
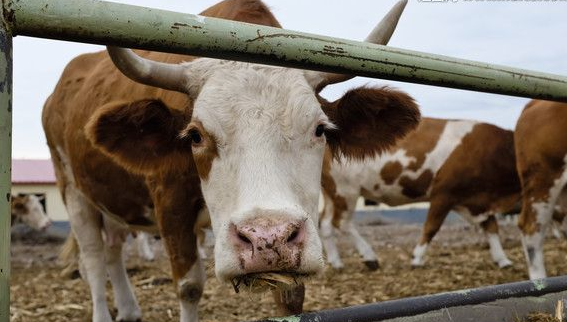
[541, 153]
[246, 139]
[27, 209]
[459, 165]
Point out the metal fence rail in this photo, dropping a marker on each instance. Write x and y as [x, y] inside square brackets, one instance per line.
[418, 305]
[101, 22]
[138, 27]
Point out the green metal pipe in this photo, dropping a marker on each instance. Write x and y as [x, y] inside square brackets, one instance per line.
[102, 22]
[5, 167]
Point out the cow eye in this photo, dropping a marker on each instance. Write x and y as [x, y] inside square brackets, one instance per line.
[195, 136]
[320, 130]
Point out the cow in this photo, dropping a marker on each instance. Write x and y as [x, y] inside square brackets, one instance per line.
[541, 153]
[27, 209]
[460, 165]
[125, 128]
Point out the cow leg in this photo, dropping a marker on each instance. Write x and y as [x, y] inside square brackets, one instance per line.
[327, 232]
[490, 227]
[437, 213]
[537, 212]
[144, 249]
[86, 223]
[290, 301]
[362, 246]
[124, 298]
[190, 290]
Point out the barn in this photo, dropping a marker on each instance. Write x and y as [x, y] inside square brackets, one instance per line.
[36, 176]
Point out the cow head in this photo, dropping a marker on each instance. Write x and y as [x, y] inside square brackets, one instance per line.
[257, 135]
[28, 209]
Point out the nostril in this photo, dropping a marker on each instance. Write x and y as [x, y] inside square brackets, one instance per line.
[244, 239]
[293, 236]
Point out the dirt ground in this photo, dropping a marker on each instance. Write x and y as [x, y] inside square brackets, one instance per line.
[458, 259]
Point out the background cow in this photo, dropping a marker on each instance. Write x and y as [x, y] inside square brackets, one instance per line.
[247, 139]
[541, 152]
[465, 166]
[27, 208]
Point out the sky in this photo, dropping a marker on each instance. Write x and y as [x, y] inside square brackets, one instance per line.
[528, 34]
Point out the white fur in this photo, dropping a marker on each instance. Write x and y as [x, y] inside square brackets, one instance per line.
[330, 244]
[197, 276]
[269, 159]
[496, 251]
[124, 299]
[536, 267]
[144, 248]
[418, 255]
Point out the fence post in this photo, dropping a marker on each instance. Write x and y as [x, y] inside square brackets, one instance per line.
[5, 165]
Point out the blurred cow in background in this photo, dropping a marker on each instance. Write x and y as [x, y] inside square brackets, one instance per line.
[27, 209]
[541, 152]
[464, 166]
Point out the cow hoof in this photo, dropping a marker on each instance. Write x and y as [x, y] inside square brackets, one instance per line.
[337, 266]
[417, 264]
[372, 265]
[505, 263]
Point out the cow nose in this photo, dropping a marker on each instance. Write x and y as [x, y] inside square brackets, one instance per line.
[264, 245]
[46, 225]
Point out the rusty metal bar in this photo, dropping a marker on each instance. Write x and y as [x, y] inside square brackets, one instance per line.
[5, 167]
[109, 23]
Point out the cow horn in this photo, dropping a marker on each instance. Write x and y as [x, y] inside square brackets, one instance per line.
[380, 35]
[148, 72]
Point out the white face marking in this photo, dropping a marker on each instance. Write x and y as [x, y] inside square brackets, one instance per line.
[351, 175]
[263, 120]
[34, 215]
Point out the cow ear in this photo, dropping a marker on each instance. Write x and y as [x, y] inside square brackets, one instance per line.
[369, 121]
[142, 136]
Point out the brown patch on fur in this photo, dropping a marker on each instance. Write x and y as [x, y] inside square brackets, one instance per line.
[251, 11]
[422, 141]
[376, 187]
[329, 188]
[206, 151]
[416, 188]
[369, 120]
[391, 171]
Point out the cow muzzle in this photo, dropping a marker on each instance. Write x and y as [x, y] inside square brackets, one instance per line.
[268, 244]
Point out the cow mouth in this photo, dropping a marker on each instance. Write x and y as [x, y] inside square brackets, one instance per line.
[262, 282]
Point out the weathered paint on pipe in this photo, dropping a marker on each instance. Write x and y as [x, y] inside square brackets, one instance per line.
[414, 306]
[5, 167]
[102, 22]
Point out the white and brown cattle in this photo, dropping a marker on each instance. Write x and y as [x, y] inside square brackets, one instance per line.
[541, 153]
[27, 209]
[465, 166]
[180, 131]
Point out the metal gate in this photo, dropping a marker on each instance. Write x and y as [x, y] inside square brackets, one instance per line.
[109, 23]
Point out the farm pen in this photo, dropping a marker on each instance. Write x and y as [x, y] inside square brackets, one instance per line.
[109, 23]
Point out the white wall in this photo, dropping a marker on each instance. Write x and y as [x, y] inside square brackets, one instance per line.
[53, 202]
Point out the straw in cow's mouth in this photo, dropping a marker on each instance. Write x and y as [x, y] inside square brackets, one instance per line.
[261, 282]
